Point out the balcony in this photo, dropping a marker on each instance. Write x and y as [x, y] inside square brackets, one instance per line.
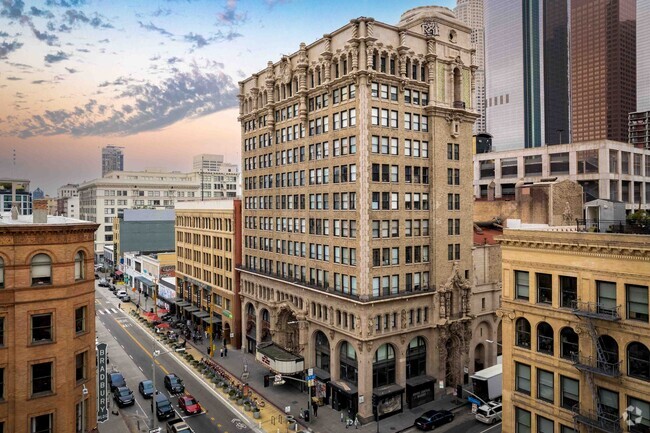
[459, 104]
[593, 365]
[603, 422]
[595, 310]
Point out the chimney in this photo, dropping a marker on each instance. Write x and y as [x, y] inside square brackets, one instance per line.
[39, 211]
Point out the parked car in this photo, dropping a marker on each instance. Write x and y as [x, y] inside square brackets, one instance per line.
[120, 293]
[103, 283]
[125, 298]
[164, 409]
[146, 388]
[96, 276]
[112, 287]
[489, 413]
[123, 396]
[189, 404]
[115, 380]
[174, 384]
[168, 317]
[433, 418]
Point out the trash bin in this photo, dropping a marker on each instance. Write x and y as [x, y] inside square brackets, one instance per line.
[291, 423]
[306, 415]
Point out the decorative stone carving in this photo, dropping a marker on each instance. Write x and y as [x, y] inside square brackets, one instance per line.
[358, 324]
[430, 28]
[403, 318]
[332, 333]
[370, 50]
[369, 345]
[371, 325]
[567, 216]
[285, 71]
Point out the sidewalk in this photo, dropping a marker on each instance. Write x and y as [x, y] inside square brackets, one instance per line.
[277, 398]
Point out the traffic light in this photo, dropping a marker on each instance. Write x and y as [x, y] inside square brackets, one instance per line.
[267, 381]
[374, 400]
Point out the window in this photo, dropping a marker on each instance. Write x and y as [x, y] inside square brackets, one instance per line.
[521, 285]
[545, 385]
[638, 361]
[2, 331]
[42, 378]
[544, 289]
[606, 297]
[522, 421]
[80, 366]
[522, 333]
[42, 424]
[79, 266]
[569, 343]
[80, 319]
[533, 165]
[637, 302]
[42, 328]
[569, 392]
[609, 404]
[568, 291]
[383, 367]
[641, 415]
[522, 378]
[2, 273]
[545, 338]
[41, 268]
[416, 358]
[2, 385]
[544, 425]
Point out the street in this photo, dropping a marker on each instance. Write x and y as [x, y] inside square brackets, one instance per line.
[464, 422]
[130, 350]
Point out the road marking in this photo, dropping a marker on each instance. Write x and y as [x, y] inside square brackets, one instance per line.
[140, 345]
[101, 312]
[107, 311]
[490, 428]
[114, 310]
[131, 357]
[141, 369]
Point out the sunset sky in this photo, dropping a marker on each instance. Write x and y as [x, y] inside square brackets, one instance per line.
[157, 77]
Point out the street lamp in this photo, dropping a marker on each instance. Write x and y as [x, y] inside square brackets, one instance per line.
[84, 396]
[308, 382]
[494, 342]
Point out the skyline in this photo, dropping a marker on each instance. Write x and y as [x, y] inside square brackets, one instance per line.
[74, 81]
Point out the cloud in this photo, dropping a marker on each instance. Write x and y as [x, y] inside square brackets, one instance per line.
[71, 70]
[160, 12]
[272, 3]
[57, 57]
[200, 41]
[83, 50]
[39, 81]
[8, 47]
[36, 12]
[74, 18]
[65, 3]
[104, 41]
[12, 9]
[241, 74]
[230, 16]
[14, 78]
[143, 107]
[174, 60]
[3, 34]
[48, 38]
[152, 28]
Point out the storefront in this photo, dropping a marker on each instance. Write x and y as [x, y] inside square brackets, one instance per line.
[389, 400]
[420, 390]
[344, 396]
[320, 390]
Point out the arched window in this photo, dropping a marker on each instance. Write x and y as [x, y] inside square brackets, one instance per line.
[41, 269]
[638, 361]
[545, 338]
[322, 352]
[383, 366]
[348, 363]
[457, 87]
[2, 273]
[522, 333]
[416, 358]
[609, 346]
[79, 266]
[569, 342]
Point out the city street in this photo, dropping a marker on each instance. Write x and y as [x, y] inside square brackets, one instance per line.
[131, 355]
[464, 422]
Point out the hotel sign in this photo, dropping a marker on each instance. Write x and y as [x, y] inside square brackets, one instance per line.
[102, 384]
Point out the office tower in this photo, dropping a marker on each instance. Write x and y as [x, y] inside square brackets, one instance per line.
[15, 191]
[575, 331]
[639, 122]
[112, 159]
[603, 68]
[357, 164]
[47, 323]
[218, 179]
[471, 13]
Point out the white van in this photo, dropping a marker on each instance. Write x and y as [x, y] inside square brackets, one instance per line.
[120, 294]
[489, 413]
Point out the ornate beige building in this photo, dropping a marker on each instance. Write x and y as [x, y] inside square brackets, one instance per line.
[576, 332]
[357, 166]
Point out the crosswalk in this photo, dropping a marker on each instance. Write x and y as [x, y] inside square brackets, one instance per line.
[107, 311]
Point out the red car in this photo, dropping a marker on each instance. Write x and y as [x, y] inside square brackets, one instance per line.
[189, 404]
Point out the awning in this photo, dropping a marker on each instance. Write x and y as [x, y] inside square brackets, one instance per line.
[200, 314]
[387, 390]
[118, 272]
[182, 303]
[279, 360]
[419, 381]
[144, 281]
[191, 309]
[321, 374]
[346, 387]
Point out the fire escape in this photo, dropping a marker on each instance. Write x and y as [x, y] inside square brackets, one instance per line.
[600, 420]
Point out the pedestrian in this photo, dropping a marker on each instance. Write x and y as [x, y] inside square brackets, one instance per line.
[314, 407]
[225, 351]
[356, 421]
[206, 334]
[221, 352]
[119, 306]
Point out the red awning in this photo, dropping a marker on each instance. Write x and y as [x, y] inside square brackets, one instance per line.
[118, 272]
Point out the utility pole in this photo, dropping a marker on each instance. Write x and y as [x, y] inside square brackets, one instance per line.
[211, 350]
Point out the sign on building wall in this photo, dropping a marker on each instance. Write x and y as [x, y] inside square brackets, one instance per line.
[102, 383]
[167, 271]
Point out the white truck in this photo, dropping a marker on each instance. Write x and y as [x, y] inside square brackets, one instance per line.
[487, 383]
[178, 426]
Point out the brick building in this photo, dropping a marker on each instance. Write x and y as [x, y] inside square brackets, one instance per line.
[47, 326]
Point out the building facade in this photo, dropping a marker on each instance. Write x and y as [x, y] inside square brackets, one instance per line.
[605, 169]
[15, 191]
[112, 159]
[471, 13]
[357, 209]
[143, 230]
[218, 179]
[102, 199]
[642, 56]
[208, 250]
[576, 332]
[603, 68]
[47, 326]
[639, 129]
[143, 275]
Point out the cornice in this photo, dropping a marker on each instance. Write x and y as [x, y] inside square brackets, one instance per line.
[618, 251]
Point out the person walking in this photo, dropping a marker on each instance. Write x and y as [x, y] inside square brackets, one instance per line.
[225, 351]
[314, 407]
[221, 352]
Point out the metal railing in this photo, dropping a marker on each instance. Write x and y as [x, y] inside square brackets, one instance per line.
[612, 226]
[593, 365]
[596, 310]
[605, 422]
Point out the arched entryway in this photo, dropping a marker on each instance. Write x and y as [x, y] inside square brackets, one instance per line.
[344, 391]
[479, 357]
[322, 351]
[266, 326]
[420, 388]
[251, 331]
[287, 333]
[226, 333]
[453, 362]
[416, 358]
[322, 371]
[383, 366]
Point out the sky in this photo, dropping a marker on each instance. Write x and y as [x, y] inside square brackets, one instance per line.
[156, 77]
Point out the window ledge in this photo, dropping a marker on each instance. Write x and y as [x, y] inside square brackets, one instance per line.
[41, 343]
[41, 395]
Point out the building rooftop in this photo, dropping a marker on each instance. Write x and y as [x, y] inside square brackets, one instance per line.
[5, 220]
[219, 204]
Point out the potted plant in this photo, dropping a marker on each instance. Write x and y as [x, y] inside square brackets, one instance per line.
[232, 394]
[256, 412]
[247, 405]
[240, 398]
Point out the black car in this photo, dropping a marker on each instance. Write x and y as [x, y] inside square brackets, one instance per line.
[103, 283]
[115, 380]
[146, 388]
[164, 409]
[174, 384]
[123, 396]
[433, 418]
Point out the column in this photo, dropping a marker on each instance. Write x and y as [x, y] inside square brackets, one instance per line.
[364, 368]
